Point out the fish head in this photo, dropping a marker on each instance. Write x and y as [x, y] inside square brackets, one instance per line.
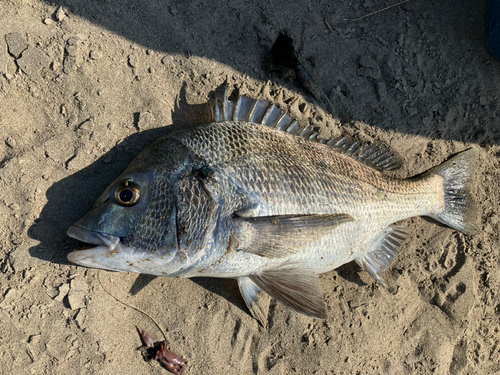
[133, 223]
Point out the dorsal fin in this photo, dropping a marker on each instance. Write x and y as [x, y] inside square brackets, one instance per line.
[259, 111]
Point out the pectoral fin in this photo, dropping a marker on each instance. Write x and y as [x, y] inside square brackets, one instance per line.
[281, 236]
[250, 293]
[295, 286]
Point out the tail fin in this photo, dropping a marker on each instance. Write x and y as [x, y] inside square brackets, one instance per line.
[459, 207]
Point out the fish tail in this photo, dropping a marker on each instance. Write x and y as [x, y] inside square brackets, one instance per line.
[460, 211]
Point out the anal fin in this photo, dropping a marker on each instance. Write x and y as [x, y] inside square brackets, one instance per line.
[385, 248]
[295, 286]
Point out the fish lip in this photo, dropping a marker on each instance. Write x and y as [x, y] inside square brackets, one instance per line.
[102, 240]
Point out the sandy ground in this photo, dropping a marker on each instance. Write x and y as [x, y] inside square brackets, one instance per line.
[85, 88]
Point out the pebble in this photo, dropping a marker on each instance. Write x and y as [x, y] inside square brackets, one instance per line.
[48, 21]
[368, 62]
[483, 101]
[14, 207]
[11, 142]
[80, 318]
[382, 91]
[95, 55]
[87, 125]
[77, 293]
[69, 63]
[32, 60]
[412, 111]
[63, 291]
[108, 158]
[16, 44]
[59, 148]
[60, 14]
[133, 60]
[367, 4]
[369, 68]
[146, 121]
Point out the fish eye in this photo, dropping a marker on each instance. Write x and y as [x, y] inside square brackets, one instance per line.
[127, 194]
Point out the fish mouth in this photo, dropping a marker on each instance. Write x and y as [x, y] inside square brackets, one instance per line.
[106, 244]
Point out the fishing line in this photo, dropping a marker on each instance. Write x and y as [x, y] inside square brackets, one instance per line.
[276, 15]
[130, 306]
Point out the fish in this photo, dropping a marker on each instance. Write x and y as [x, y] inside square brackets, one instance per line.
[256, 197]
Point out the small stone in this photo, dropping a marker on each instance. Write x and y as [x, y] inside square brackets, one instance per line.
[412, 111]
[14, 207]
[80, 319]
[32, 60]
[69, 64]
[16, 44]
[133, 60]
[369, 68]
[48, 21]
[108, 158]
[59, 148]
[63, 291]
[146, 121]
[72, 50]
[11, 142]
[95, 55]
[483, 101]
[368, 62]
[60, 14]
[382, 91]
[70, 60]
[73, 41]
[77, 293]
[87, 125]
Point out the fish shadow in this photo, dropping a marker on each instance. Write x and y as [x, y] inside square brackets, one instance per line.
[225, 288]
[350, 272]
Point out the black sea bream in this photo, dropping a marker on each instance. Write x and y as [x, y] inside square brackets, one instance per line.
[256, 197]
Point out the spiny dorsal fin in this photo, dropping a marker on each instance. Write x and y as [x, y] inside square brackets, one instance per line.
[258, 111]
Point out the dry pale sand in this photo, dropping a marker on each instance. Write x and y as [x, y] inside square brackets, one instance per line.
[85, 88]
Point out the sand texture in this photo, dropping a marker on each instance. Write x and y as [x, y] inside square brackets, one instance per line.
[86, 86]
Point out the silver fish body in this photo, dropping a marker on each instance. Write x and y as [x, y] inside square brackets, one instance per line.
[265, 202]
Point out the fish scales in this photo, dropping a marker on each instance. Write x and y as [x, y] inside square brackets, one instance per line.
[293, 175]
[270, 208]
